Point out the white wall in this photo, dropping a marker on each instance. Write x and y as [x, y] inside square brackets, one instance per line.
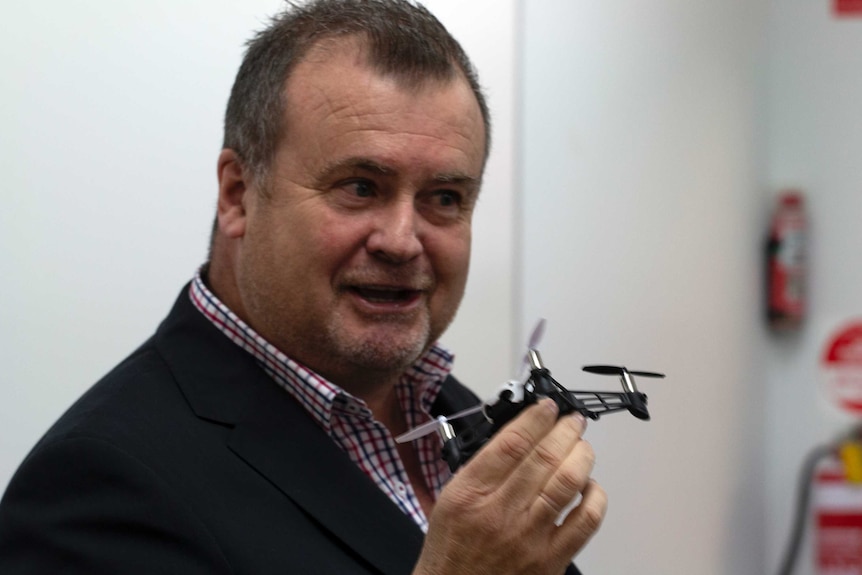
[641, 200]
[111, 115]
[815, 143]
[111, 120]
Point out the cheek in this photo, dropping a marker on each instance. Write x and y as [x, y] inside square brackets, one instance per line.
[334, 242]
[451, 254]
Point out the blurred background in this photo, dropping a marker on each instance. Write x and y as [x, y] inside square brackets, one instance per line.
[639, 148]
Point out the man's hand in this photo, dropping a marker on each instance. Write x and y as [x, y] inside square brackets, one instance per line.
[499, 513]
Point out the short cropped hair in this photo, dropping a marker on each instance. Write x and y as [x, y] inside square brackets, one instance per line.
[403, 40]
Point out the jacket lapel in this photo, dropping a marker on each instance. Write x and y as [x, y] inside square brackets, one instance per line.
[282, 443]
[274, 436]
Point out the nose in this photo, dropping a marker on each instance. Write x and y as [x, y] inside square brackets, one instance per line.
[395, 235]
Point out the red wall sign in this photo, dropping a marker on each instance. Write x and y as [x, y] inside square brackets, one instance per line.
[842, 367]
[847, 7]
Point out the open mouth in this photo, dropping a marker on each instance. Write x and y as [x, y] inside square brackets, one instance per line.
[386, 295]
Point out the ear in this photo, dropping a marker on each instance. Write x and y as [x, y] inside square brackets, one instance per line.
[233, 183]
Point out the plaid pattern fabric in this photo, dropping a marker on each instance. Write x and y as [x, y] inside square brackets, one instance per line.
[345, 418]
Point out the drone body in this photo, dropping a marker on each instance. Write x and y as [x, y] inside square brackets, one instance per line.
[515, 396]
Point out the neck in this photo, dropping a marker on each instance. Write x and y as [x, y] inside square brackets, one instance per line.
[382, 400]
[221, 280]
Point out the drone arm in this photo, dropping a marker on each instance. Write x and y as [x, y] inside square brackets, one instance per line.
[458, 448]
[598, 403]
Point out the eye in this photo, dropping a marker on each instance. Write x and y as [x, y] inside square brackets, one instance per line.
[361, 188]
[355, 193]
[448, 198]
[445, 206]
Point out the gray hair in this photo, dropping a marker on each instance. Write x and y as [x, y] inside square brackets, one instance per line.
[403, 39]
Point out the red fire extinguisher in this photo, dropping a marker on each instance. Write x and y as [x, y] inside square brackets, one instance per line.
[837, 513]
[831, 484]
[785, 268]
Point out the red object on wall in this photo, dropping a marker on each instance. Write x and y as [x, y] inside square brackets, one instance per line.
[837, 522]
[847, 7]
[785, 273]
[841, 363]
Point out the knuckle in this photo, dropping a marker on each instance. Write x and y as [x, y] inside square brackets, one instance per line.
[463, 492]
[592, 518]
[547, 457]
[514, 445]
[571, 481]
[594, 508]
[549, 502]
[485, 512]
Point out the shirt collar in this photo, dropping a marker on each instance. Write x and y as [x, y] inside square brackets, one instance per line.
[419, 386]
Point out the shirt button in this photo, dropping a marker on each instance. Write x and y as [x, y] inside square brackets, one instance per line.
[400, 488]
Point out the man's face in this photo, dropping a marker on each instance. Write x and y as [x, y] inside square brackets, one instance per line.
[355, 258]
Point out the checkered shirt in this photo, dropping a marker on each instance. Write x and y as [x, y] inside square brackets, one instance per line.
[345, 418]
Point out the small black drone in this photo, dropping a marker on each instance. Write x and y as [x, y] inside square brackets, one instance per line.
[516, 395]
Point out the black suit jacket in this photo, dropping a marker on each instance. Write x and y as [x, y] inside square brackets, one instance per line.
[187, 458]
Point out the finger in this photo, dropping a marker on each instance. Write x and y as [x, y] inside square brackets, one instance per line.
[565, 485]
[582, 523]
[511, 445]
[530, 478]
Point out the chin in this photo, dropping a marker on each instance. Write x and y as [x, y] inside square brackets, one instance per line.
[388, 358]
[384, 347]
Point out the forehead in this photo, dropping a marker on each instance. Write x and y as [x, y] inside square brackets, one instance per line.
[334, 85]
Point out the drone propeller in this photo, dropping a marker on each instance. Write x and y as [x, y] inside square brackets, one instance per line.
[533, 343]
[537, 334]
[617, 370]
[435, 424]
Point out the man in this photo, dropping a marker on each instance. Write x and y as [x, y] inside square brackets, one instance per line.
[253, 432]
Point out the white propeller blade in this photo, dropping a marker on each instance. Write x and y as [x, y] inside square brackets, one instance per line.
[537, 334]
[533, 342]
[431, 426]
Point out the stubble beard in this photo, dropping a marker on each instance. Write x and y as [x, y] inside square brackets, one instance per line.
[376, 350]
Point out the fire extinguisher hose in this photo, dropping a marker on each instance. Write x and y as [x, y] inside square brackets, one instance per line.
[803, 499]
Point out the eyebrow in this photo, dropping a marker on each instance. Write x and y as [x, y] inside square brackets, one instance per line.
[368, 165]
